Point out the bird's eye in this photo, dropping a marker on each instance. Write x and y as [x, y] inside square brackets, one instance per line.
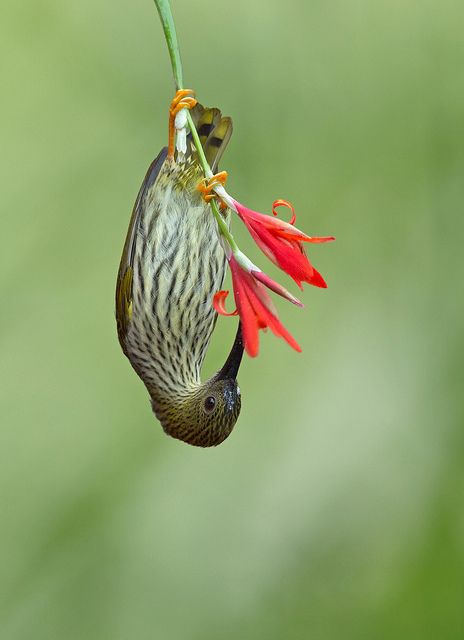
[210, 403]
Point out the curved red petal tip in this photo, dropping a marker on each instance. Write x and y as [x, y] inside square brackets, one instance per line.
[317, 280]
[283, 203]
[316, 239]
[219, 304]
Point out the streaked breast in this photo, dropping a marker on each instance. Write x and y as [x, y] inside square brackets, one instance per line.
[178, 266]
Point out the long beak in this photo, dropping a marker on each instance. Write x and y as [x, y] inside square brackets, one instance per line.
[231, 366]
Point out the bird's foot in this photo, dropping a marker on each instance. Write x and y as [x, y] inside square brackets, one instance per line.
[184, 99]
[208, 185]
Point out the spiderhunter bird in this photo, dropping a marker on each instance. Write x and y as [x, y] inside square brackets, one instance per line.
[171, 266]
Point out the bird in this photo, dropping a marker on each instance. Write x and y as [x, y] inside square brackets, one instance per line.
[172, 264]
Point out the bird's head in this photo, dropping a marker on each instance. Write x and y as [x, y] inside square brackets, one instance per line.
[205, 416]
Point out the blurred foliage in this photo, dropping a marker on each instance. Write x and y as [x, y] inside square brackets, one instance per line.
[335, 509]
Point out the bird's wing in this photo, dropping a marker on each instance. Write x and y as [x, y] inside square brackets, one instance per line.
[124, 281]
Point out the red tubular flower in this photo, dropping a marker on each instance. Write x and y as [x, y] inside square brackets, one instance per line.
[254, 305]
[281, 242]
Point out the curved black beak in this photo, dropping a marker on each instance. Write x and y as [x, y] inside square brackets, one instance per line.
[231, 366]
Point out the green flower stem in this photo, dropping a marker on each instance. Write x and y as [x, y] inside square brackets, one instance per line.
[199, 148]
[169, 28]
[223, 228]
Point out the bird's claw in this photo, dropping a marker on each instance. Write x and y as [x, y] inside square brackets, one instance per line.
[184, 99]
[207, 185]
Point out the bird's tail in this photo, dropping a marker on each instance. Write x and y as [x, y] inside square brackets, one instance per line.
[214, 130]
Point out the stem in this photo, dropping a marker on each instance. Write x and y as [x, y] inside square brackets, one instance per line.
[169, 28]
[223, 228]
[199, 148]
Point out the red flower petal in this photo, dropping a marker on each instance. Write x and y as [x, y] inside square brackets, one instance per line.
[317, 280]
[319, 239]
[288, 256]
[276, 287]
[219, 304]
[245, 310]
[255, 308]
[281, 242]
[273, 322]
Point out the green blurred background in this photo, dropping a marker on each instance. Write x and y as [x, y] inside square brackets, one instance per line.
[336, 508]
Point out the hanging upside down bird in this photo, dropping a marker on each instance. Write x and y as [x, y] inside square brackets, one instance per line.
[171, 266]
